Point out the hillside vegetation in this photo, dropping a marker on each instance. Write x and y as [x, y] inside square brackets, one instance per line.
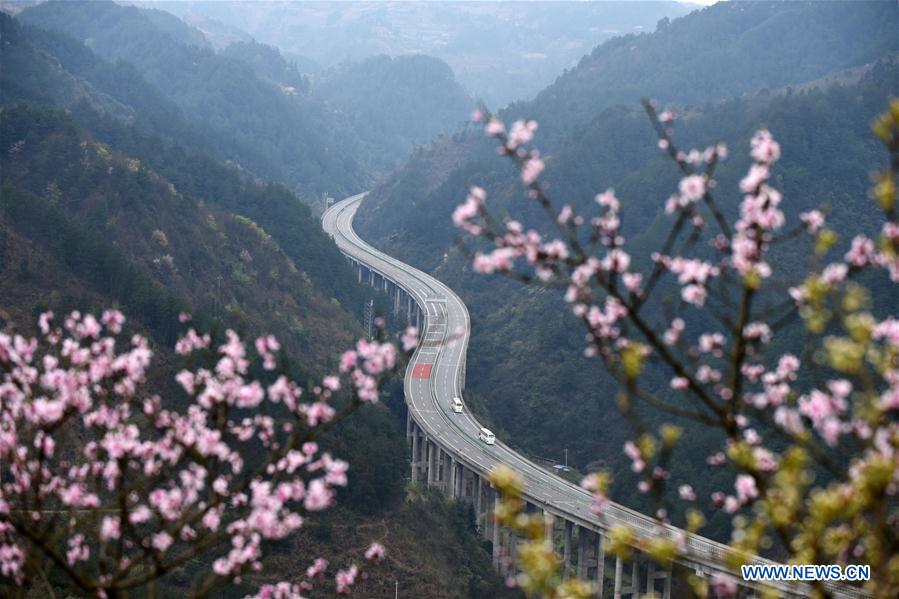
[251, 106]
[525, 342]
[112, 193]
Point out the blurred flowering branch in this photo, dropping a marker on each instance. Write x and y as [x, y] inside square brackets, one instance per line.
[116, 487]
[713, 345]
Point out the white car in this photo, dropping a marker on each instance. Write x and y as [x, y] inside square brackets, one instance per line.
[457, 405]
[487, 437]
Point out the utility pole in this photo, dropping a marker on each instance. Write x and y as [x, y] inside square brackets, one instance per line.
[396, 590]
[566, 457]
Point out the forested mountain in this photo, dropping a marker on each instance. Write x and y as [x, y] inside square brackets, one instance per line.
[500, 51]
[268, 64]
[279, 135]
[125, 232]
[728, 49]
[525, 342]
[112, 194]
[395, 104]
[119, 108]
[254, 107]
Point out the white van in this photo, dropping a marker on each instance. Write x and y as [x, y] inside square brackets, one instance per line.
[487, 437]
[457, 405]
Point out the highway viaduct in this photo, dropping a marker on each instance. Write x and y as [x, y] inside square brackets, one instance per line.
[446, 452]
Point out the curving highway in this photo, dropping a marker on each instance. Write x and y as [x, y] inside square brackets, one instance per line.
[436, 374]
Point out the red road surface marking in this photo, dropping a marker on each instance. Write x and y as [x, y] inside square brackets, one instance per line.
[422, 371]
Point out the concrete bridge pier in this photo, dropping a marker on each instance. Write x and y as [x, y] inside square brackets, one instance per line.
[419, 449]
[443, 469]
[657, 581]
[549, 529]
[600, 576]
[479, 502]
[582, 548]
[432, 458]
[453, 480]
[397, 292]
[616, 592]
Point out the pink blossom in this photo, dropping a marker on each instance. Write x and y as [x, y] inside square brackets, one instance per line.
[632, 281]
[672, 335]
[591, 483]
[745, 486]
[716, 459]
[531, 169]
[637, 463]
[813, 219]
[694, 294]
[679, 383]
[410, 339]
[834, 273]
[109, 528]
[861, 252]
[888, 330]
[521, 133]
[375, 552]
[331, 382]
[78, 551]
[317, 568]
[318, 496]
[608, 200]
[162, 541]
[346, 578]
[692, 187]
[494, 127]
[758, 174]
[686, 493]
[348, 361]
[724, 586]
[764, 148]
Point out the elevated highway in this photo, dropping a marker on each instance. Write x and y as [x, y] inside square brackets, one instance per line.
[447, 452]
